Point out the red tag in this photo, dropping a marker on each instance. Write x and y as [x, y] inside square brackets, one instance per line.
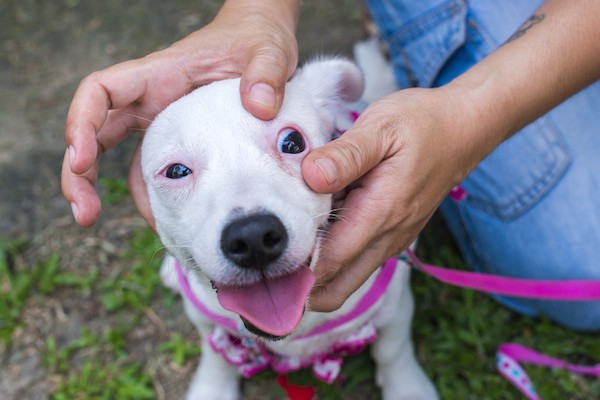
[296, 392]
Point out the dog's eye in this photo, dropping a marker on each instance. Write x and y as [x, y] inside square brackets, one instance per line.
[177, 171]
[290, 141]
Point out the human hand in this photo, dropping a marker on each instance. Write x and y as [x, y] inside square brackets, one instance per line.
[402, 156]
[254, 40]
[409, 149]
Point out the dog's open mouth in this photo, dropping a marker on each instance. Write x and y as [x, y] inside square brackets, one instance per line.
[271, 308]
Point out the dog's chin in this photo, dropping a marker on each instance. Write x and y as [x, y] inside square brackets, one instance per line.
[260, 333]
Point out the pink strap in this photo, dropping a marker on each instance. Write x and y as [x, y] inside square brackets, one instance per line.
[527, 355]
[367, 301]
[507, 363]
[567, 290]
[187, 291]
[509, 354]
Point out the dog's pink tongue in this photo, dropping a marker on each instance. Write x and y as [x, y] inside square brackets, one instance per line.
[274, 306]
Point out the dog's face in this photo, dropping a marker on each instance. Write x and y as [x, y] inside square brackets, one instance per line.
[228, 195]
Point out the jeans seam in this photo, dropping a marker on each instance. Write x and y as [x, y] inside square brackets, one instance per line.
[425, 22]
[525, 199]
[419, 27]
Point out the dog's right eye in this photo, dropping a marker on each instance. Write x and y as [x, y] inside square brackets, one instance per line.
[177, 171]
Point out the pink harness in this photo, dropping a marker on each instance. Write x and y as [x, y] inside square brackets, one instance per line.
[252, 357]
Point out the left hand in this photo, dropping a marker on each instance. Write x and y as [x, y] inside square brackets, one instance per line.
[402, 156]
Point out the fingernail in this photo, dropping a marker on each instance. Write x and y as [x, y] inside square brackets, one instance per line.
[71, 155]
[328, 169]
[75, 210]
[264, 94]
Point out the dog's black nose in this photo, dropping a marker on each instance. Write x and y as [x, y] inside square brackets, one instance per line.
[254, 241]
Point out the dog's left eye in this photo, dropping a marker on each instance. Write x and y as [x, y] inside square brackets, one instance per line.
[290, 141]
[177, 171]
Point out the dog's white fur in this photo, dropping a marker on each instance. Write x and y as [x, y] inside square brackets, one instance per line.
[238, 170]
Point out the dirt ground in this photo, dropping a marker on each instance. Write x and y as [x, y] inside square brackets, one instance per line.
[46, 47]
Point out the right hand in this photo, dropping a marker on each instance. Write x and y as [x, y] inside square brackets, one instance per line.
[254, 40]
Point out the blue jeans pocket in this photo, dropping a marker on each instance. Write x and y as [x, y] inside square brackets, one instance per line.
[519, 172]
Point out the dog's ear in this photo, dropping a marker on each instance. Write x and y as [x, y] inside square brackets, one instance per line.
[331, 81]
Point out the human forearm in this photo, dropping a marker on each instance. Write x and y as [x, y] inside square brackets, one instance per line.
[553, 56]
[284, 11]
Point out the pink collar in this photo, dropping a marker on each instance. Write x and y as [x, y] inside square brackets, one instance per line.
[370, 298]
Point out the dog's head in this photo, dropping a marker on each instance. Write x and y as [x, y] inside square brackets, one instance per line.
[228, 195]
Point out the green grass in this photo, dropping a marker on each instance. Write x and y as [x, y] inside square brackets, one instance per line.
[179, 349]
[113, 190]
[17, 285]
[97, 376]
[104, 370]
[14, 289]
[456, 333]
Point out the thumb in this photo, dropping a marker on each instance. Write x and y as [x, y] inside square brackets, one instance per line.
[336, 165]
[263, 82]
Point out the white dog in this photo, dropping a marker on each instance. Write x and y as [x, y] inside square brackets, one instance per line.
[231, 205]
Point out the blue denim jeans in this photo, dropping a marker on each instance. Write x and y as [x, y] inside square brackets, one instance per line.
[533, 205]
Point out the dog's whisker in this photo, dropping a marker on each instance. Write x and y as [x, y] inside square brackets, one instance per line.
[321, 215]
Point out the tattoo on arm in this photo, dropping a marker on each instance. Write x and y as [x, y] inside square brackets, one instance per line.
[530, 23]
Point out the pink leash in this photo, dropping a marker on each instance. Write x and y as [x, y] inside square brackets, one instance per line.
[570, 290]
[509, 355]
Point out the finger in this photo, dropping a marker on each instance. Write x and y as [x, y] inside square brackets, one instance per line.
[332, 295]
[363, 236]
[113, 88]
[357, 225]
[80, 193]
[86, 116]
[138, 189]
[332, 167]
[79, 188]
[263, 82]
[119, 125]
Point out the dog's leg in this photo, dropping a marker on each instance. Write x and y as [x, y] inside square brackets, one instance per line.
[215, 378]
[398, 373]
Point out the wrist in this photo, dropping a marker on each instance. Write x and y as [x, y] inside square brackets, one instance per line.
[470, 128]
[285, 12]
